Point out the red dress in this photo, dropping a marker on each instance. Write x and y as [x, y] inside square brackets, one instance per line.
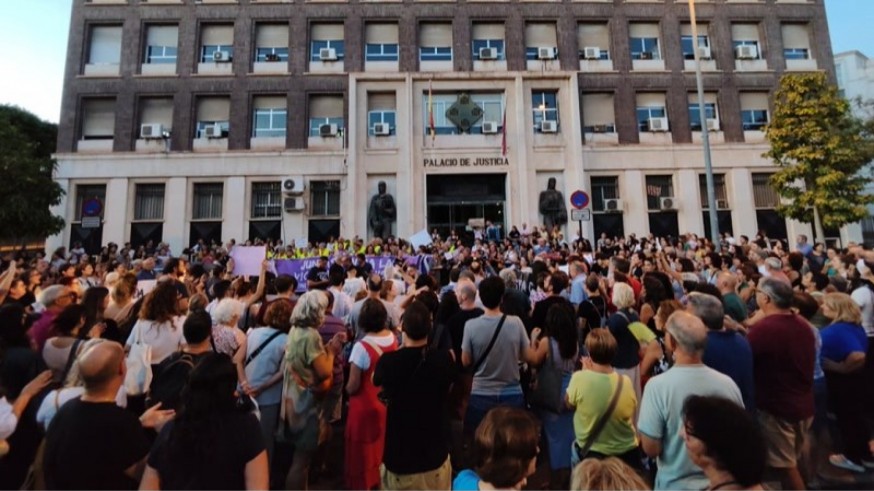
[365, 428]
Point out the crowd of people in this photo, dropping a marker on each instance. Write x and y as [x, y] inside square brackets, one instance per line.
[470, 363]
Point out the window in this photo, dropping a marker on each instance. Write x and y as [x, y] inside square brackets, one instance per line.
[324, 198]
[544, 105]
[492, 105]
[746, 35]
[650, 106]
[385, 117]
[271, 43]
[435, 42]
[644, 41]
[217, 39]
[211, 112]
[326, 36]
[488, 36]
[161, 44]
[796, 41]
[86, 192]
[539, 35]
[157, 110]
[593, 35]
[105, 45]
[266, 200]
[269, 117]
[764, 196]
[710, 112]
[598, 113]
[688, 50]
[98, 119]
[754, 110]
[149, 202]
[381, 42]
[658, 187]
[207, 201]
[325, 110]
[381, 110]
[718, 186]
[604, 187]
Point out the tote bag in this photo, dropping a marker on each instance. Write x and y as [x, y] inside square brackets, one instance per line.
[139, 366]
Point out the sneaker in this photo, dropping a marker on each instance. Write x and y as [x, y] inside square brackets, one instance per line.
[839, 460]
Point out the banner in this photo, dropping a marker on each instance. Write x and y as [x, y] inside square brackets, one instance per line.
[298, 268]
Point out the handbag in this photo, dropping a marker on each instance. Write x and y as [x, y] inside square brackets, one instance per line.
[139, 367]
[547, 385]
[602, 421]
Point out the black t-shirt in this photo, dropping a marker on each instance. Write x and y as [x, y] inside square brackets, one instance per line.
[538, 317]
[237, 440]
[170, 377]
[91, 444]
[417, 424]
[456, 328]
[318, 274]
[516, 302]
[593, 310]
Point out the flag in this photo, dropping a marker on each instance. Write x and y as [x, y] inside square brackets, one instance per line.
[431, 125]
[654, 191]
[504, 129]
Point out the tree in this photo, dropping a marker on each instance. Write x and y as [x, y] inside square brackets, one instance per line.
[821, 149]
[27, 187]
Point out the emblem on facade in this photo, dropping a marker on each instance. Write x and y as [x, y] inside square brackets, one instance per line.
[463, 113]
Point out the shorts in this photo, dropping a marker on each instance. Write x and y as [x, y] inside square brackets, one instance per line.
[785, 439]
[439, 478]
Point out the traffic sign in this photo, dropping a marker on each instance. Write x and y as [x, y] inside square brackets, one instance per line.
[581, 215]
[579, 199]
[92, 207]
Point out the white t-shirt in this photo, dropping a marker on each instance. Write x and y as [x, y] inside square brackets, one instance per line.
[864, 298]
[359, 354]
[8, 420]
[165, 339]
[342, 303]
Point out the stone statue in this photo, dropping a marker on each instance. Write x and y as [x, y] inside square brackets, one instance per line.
[552, 206]
[382, 212]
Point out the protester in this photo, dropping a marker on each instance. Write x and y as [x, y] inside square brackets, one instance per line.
[171, 375]
[160, 323]
[610, 474]
[627, 359]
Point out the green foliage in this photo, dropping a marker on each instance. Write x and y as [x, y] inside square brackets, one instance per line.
[820, 149]
[27, 188]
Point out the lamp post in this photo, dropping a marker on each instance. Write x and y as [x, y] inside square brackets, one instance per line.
[705, 133]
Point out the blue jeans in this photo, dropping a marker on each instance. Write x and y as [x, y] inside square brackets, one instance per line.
[479, 405]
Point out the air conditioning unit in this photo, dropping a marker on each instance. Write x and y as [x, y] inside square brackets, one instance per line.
[328, 54]
[488, 54]
[221, 56]
[327, 130]
[546, 53]
[293, 205]
[722, 204]
[613, 205]
[658, 124]
[292, 185]
[592, 53]
[152, 131]
[712, 124]
[667, 203]
[382, 129]
[213, 131]
[746, 52]
[704, 52]
[548, 126]
[490, 127]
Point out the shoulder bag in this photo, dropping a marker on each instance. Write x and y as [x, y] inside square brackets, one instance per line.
[602, 421]
[260, 348]
[139, 366]
[488, 350]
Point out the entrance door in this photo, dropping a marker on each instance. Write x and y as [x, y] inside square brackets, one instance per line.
[455, 199]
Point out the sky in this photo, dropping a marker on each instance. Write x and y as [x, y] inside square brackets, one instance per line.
[35, 34]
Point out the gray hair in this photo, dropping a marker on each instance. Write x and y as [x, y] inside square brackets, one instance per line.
[51, 294]
[778, 291]
[225, 311]
[509, 277]
[688, 332]
[310, 309]
[623, 295]
[707, 308]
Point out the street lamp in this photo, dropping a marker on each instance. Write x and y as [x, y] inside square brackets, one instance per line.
[705, 133]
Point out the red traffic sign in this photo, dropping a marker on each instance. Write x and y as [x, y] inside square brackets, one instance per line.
[579, 199]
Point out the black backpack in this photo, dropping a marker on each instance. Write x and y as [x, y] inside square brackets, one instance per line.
[170, 377]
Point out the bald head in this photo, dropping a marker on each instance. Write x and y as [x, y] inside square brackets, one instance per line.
[101, 365]
[466, 291]
[727, 282]
[688, 332]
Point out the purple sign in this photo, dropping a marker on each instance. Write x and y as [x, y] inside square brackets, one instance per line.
[298, 268]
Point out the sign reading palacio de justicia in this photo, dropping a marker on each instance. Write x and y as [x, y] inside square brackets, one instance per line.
[466, 162]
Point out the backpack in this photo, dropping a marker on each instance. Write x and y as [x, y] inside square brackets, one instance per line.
[170, 377]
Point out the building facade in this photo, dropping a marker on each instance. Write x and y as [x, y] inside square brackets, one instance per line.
[220, 119]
